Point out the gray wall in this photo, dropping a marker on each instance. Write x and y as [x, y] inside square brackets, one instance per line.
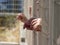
[56, 21]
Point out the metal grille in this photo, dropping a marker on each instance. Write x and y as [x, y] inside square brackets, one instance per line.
[11, 6]
[8, 11]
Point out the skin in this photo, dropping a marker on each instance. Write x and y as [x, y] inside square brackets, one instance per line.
[22, 17]
[35, 23]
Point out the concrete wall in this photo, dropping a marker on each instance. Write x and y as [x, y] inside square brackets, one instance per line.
[56, 21]
[41, 10]
[29, 34]
[50, 16]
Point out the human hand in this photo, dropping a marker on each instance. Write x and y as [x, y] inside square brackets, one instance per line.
[36, 24]
[22, 17]
[33, 24]
[27, 24]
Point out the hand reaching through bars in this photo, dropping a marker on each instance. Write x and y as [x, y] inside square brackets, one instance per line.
[31, 24]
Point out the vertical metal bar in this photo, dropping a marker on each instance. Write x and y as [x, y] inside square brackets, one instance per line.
[36, 13]
[51, 21]
[34, 38]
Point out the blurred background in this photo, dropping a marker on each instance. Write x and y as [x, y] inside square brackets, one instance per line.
[11, 30]
[9, 25]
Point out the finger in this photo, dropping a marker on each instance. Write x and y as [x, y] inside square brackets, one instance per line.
[33, 23]
[33, 20]
[19, 16]
[40, 21]
[22, 17]
[35, 26]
